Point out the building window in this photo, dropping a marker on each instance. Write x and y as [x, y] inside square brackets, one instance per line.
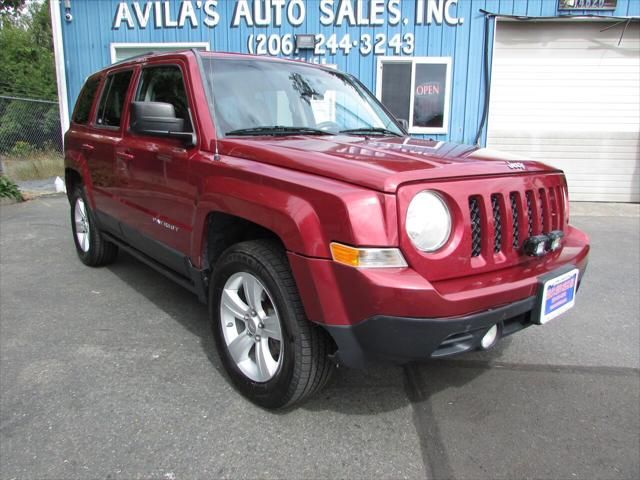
[122, 51]
[418, 90]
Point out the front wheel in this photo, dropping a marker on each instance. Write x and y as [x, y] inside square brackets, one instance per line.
[91, 246]
[272, 353]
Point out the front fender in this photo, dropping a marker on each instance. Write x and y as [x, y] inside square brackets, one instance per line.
[305, 211]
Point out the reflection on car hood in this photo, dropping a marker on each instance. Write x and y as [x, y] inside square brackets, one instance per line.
[380, 163]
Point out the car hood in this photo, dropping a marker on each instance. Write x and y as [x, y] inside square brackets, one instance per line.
[380, 163]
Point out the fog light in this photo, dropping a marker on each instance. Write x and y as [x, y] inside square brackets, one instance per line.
[555, 239]
[490, 337]
[536, 246]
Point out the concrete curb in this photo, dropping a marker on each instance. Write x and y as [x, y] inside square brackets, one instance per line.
[31, 195]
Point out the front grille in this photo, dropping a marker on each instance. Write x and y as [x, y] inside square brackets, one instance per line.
[497, 224]
[476, 226]
[542, 208]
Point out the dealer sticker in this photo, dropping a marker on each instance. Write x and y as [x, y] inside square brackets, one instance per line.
[559, 295]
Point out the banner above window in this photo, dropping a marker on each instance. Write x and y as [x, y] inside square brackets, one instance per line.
[587, 4]
[417, 90]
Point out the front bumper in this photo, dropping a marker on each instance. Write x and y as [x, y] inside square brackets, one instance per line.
[384, 339]
[397, 315]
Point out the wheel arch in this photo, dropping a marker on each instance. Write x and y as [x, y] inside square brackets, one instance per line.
[223, 230]
[76, 172]
[289, 219]
[72, 179]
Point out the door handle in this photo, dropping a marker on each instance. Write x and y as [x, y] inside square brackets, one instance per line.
[125, 156]
[88, 147]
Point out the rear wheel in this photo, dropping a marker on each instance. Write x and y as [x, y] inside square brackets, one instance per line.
[273, 354]
[92, 248]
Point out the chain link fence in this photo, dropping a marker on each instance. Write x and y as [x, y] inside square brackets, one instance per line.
[30, 138]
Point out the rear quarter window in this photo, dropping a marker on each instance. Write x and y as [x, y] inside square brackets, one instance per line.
[85, 100]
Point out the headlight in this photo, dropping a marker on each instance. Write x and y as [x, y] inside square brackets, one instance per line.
[428, 222]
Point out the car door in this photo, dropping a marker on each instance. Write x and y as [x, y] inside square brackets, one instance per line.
[158, 191]
[103, 143]
[80, 140]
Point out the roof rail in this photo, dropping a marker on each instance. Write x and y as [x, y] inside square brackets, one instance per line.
[128, 59]
[154, 52]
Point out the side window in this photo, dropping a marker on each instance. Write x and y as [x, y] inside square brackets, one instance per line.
[165, 84]
[112, 100]
[85, 100]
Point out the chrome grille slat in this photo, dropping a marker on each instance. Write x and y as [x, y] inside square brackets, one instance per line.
[561, 206]
[476, 227]
[529, 214]
[541, 195]
[497, 223]
[554, 208]
[515, 229]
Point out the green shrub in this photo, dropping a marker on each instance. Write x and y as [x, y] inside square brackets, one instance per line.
[22, 149]
[28, 122]
[9, 189]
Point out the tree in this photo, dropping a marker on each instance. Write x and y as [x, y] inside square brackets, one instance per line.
[11, 7]
[27, 67]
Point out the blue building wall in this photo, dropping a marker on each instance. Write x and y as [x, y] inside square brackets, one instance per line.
[88, 36]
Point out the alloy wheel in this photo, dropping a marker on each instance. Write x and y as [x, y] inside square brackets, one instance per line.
[251, 327]
[83, 233]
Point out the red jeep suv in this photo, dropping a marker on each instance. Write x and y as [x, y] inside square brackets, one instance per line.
[318, 231]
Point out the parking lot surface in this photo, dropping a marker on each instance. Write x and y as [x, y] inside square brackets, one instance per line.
[112, 373]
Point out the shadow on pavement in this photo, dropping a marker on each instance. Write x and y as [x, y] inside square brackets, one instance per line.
[369, 391]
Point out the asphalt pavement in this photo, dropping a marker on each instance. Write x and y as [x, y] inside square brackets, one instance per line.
[112, 373]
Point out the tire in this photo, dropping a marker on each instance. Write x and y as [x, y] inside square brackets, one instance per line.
[92, 248]
[271, 373]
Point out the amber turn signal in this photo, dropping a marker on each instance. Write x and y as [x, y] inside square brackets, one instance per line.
[367, 257]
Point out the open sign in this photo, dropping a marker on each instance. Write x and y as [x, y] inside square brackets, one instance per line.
[425, 89]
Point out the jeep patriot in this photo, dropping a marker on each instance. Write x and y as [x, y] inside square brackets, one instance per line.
[289, 199]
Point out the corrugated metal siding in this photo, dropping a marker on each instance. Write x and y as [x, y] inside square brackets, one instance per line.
[88, 37]
[567, 94]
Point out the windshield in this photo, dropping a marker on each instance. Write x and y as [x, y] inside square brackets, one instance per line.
[254, 97]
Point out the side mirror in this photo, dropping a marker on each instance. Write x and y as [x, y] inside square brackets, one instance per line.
[403, 123]
[159, 120]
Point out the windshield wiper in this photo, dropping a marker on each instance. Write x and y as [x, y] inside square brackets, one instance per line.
[372, 130]
[278, 130]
